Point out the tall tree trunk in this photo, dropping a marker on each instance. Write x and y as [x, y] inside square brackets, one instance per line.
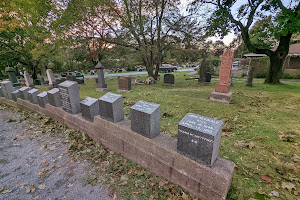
[275, 70]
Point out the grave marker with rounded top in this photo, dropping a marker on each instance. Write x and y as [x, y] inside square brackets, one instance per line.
[69, 92]
[89, 108]
[145, 118]
[24, 92]
[15, 95]
[111, 107]
[7, 89]
[54, 97]
[32, 96]
[199, 138]
[43, 99]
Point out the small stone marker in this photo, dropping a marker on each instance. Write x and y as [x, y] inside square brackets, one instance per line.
[100, 80]
[43, 99]
[169, 79]
[54, 97]
[12, 77]
[32, 96]
[124, 83]
[221, 92]
[51, 79]
[28, 79]
[145, 118]
[1, 92]
[111, 107]
[89, 108]
[15, 95]
[24, 93]
[7, 89]
[199, 138]
[70, 97]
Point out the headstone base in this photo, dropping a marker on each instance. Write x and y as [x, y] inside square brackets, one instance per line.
[101, 89]
[125, 90]
[221, 97]
[169, 84]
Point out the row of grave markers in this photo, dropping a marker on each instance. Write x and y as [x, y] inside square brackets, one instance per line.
[198, 136]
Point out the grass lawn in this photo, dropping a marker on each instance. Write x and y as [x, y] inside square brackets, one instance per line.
[261, 131]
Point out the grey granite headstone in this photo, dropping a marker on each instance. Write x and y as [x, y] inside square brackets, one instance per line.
[145, 118]
[69, 92]
[24, 92]
[100, 80]
[169, 79]
[43, 99]
[7, 89]
[51, 79]
[54, 97]
[111, 107]
[124, 83]
[1, 92]
[12, 77]
[28, 79]
[199, 138]
[32, 96]
[15, 95]
[89, 108]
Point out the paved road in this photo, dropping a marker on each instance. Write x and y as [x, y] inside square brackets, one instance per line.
[29, 170]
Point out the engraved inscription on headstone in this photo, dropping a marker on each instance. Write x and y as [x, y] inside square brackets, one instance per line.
[32, 96]
[24, 93]
[7, 89]
[70, 97]
[54, 97]
[15, 95]
[43, 99]
[89, 108]
[199, 138]
[111, 107]
[145, 118]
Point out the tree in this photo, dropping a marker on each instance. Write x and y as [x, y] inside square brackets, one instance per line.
[286, 19]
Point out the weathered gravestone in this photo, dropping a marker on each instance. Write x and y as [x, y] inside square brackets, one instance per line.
[124, 83]
[199, 138]
[51, 79]
[1, 92]
[89, 108]
[28, 79]
[54, 97]
[100, 80]
[145, 118]
[15, 95]
[24, 92]
[7, 89]
[221, 92]
[111, 107]
[43, 99]
[32, 96]
[12, 77]
[69, 92]
[169, 79]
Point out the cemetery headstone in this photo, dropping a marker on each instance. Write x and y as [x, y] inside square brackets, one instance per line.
[89, 108]
[15, 95]
[199, 138]
[111, 107]
[169, 79]
[71, 78]
[51, 79]
[207, 77]
[124, 83]
[69, 92]
[145, 118]
[1, 92]
[32, 96]
[43, 99]
[7, 89]
[24, 93]
[54, 97]
[28, 79]
[250, 75]
[221, 92]
[100, 80]
[12, 77]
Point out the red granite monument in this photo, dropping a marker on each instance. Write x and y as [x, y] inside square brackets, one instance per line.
[222, 93]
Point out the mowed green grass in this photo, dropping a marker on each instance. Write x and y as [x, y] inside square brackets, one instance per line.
[261, 130]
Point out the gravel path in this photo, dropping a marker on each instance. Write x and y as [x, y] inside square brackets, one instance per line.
[37, 166]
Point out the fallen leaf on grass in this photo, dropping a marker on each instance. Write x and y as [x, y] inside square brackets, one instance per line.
[70, 185]
[4, 190]
[42, 186]
[288, 186]
[266, 178]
